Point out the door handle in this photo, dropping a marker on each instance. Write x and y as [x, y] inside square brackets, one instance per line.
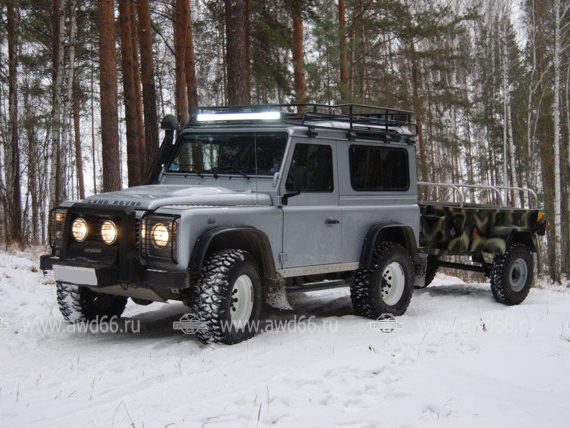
[331, 220]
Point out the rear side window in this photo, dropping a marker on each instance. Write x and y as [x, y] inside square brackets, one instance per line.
[374, 168]
[314, 162]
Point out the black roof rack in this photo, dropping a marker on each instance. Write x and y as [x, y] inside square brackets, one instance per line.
[359, 120]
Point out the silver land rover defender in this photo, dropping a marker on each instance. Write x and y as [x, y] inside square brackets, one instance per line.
[247, 203]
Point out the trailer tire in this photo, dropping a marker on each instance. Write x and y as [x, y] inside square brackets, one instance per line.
[226, 277]
[512, 274]
[385, 287]
[80, 304]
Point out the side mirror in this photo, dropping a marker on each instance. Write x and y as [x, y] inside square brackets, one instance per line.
[169, 123]
[295, 184]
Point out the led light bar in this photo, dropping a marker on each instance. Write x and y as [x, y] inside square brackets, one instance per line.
[220, 117]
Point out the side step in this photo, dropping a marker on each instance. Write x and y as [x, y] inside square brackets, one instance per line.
[473, 268]
[320, 285]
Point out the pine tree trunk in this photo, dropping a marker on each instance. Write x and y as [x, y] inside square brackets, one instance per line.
[417, 101]
[556, 119]
[14, 230]
[109, 114]
[192, 89]
[342, 44]
[248, 45]
[180, 29]
[138, 93]
[78, 151]
[546, 149]
[148, 85]
[93, 145]
[129, 94]
[236, 53]
[298, 60]
[56, 192]
[190, 67]
[68, 100]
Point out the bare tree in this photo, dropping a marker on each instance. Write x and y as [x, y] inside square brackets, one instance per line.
[56, 174]
[558, 262]
[237, 61]
[108, 83]
[133, 160]
[14, 230]
[298, 55]
[148, 85]
[342, 43]
[181, 12]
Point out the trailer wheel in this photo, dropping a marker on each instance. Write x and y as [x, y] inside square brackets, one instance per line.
[78, 304]
[431, 270]
[385, 287]
[227, 298]
[512, 274]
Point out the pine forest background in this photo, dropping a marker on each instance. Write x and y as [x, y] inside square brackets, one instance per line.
[84, 84]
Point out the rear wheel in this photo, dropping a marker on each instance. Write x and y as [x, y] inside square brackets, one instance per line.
[385, 287]
[78, 304]
[227, 298]
[511, 275]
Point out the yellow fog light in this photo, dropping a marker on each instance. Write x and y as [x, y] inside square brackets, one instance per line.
[79, 229]
[160, 235]
[108, 232]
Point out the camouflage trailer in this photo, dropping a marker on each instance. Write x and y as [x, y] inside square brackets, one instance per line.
[247, 204]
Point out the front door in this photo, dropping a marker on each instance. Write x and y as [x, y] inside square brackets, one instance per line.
[312, 219]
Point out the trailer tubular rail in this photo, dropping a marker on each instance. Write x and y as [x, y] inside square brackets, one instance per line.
[497, 189]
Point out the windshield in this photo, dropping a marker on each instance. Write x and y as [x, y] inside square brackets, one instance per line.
[236, 153]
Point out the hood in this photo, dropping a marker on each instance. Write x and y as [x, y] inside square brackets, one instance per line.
[154, 196]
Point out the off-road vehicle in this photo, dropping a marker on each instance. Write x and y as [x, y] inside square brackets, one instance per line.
[245, 204]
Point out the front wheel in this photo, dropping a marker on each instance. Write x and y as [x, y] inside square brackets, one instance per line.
[511, 275]
[385, 287]
[227, 297]
[79, 304]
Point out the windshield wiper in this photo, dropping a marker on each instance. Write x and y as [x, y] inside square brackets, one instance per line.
[193, 171]
[240, 172]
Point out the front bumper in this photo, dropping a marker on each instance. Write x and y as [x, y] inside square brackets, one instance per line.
[93, 274]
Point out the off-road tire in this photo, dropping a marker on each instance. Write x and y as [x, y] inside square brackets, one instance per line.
[212, 297]
[80, 304]
[502, 275]
[365, 290]
[431, 270]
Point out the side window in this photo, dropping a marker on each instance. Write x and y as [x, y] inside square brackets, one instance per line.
[311, 169]
[374, 168]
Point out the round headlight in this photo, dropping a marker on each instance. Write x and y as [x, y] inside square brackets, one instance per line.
[79, 229]
[108, 232]
[160, 235]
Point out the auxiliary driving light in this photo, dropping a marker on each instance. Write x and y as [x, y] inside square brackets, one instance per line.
[217, 117]
[79, 229]
[108, 232]
[160, 235]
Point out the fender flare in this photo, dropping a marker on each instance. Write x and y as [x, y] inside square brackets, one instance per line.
[524, 236]
[395, 232]
[244, 237]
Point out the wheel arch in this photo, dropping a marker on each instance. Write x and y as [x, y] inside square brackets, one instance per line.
[524, 237]
[394, 232]
[246, 238]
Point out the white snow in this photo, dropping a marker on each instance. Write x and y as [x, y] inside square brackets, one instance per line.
[459, 360]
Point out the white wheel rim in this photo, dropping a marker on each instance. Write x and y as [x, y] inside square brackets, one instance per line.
[242, 301]
[393, 283]
[518, 274]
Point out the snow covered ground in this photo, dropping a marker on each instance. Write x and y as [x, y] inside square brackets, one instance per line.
[457, 359]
